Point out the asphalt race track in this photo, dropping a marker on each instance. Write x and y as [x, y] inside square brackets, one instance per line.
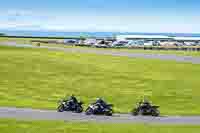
[33, 114]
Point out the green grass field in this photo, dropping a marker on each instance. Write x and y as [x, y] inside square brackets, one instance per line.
[8, 126]
[38, 78]
[23, 40]
[17, 40]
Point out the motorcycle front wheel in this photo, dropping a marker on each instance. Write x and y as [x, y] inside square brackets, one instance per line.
[134, 112]
[108, 113]
[155, 113]
[60, 108]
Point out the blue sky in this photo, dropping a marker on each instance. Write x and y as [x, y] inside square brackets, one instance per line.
[101, 15]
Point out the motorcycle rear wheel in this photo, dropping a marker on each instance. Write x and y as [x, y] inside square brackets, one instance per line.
[79, 109]
[89, 111]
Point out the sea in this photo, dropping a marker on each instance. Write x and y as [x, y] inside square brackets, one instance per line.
[86, 34]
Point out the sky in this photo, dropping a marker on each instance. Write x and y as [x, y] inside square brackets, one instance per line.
[171, 16]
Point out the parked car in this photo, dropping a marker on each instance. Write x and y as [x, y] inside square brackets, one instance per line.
[90, 42]
[132, 43]
[148, 43]
[70, 41]
[119, 43]
[102, 44]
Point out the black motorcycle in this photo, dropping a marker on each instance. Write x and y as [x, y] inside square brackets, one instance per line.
[97, 109]
[151, 110]
[70, 106]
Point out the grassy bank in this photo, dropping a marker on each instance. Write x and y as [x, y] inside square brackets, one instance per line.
[8, 126]
[24, 40]
[38, 78]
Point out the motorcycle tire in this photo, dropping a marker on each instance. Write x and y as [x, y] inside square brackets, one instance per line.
[60, 108]
[89, 111]
[141, 112]
[135, 112]
[155, 113]
[108, 112]
[79, 109]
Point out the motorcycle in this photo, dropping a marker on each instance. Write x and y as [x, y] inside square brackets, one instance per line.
[146, 110]
[96, 109]
[70, 106]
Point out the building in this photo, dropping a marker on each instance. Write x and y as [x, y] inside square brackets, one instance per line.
[188, 40]
[144, 37]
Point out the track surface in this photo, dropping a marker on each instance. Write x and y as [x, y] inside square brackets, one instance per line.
[188, 59]
[31, 114]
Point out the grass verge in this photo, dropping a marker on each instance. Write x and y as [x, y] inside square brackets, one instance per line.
[8, 126]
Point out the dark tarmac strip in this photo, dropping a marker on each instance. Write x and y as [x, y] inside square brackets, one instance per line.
[34, 114]
[178, 58]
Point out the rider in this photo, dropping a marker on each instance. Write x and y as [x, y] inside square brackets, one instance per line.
[72, 100]
[146, 103]
[101, 102]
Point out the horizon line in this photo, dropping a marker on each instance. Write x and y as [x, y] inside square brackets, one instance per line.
[96, 31]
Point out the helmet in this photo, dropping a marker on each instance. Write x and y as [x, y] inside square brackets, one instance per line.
[98, 99]
[146, 101]
[72, 95]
